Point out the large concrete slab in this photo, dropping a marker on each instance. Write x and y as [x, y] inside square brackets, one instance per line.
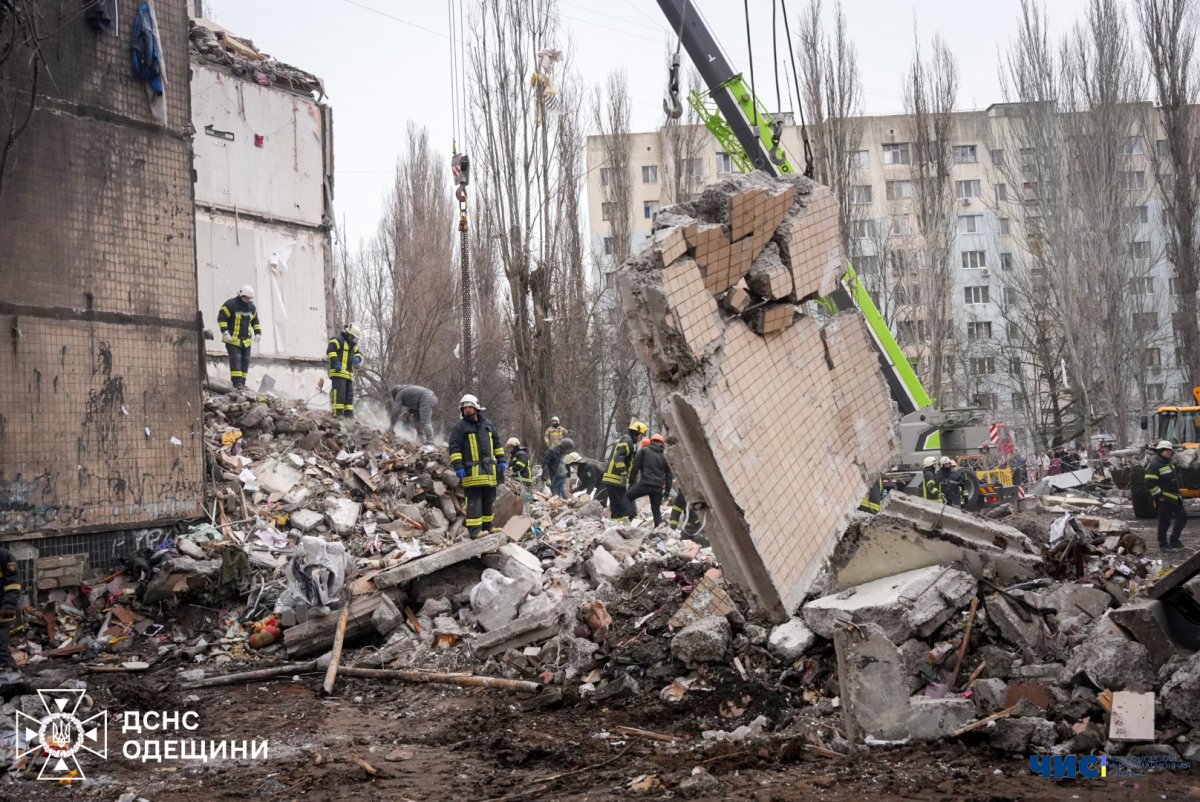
[457, 553]
[780, 432]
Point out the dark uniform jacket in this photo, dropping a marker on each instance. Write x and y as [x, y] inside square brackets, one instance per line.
[620, 460]
[476, 448]
[1162, 479]
[590, 473]
[650, 469]
[341, 353]
[239, 320]
[520, 466]
[930, 485]
[10, 589]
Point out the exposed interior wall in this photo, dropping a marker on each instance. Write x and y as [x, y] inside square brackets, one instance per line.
[100, 411]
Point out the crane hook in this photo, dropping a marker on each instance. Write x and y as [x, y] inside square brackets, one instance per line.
[671, 104]
[777, 154]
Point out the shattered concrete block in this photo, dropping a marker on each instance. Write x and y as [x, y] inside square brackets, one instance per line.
[1110, 661]
[989, 696]
[1146, 622]
[518, 633]
[1010, 619]
[1020, 735]
[497, 598]
[911, 532]
[1181, 693]
[623, 687]
[432, 608]
[703, 641]
[1132, 717]
[707, 599]
[517, 563]
[791, 640]
[811, 245]
[306, 520]
[387, 617]
[737, 300]
[769, 278]
[771, 318]
[275, 476]
[423, 566]
[343, 515]
[1078, 605]
[874, 692]
[912, 603]
[602, 566]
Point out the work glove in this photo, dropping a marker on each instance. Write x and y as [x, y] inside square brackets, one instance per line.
[461, 473]
[501, 467]
[8, 613]
[227, 338]
[258, 335]
[356, 361]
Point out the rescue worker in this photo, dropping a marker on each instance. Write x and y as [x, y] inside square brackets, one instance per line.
[1164, 489]
[950, 482]
[590, 474]
[478, 459]
[344, 358]
[616, 475]
[10, 600]
[554, 433]
[238, 321]
[931, 486]
[415, 404]
[650, 476]
[518, 459]
[555, 472]
[873, 501]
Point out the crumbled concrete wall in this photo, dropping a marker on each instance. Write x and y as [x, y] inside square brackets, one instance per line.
[775, 420]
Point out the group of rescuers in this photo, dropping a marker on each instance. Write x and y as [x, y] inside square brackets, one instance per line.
[637, 464]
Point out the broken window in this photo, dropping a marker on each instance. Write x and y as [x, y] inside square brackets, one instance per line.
[970, 223]
[979, 330]
[724, 163]
[965, 190]
[861, 194]
[897, 153]
[649, 173]
[976, 294]
[1001, 192]
[965, 154]
[649, 209]
[862, 229]
[983, 365]
[974, 259]
[898, 190]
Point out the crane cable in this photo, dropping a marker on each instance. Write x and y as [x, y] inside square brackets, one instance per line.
[808, 154]
[460, 167]
[671, 105]
[750, 50]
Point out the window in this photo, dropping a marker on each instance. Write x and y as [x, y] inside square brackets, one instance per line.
[1177, 319]
[1005, 226]
[608, 246]
[1143, 285]
[898, 153]
[1176, 287]
[908, 294]
[1145, 321]
[860, 194]
[898, 190]
[1014, 367]
[649, 173]
[867, 265]
[983, 365]
[998, 158]
[607, 177]
[901, 225]
[966, 189]
[693, 168]
[1152, 357]
[649, 209]
[903, 262]
[965, 154]
[1001, 192]
[974, 259]
[985, 401]
[1140, 250]
[1133, 179]
[1018, 400]
[724, 163]
[979, 330]
[862, 229]
[1161, 149]
[970, 223]
[976, 294]
[1133, 146]
[911, 331]
[1006, 261]
[1156, 392]
[1137, 214]
[1028, 155]
[1029, 189]
[1009, 297]
[933, 151]
[860, 160]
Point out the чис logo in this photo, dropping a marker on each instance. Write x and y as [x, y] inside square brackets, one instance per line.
[61, 734]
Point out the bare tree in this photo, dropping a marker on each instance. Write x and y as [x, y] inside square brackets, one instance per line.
[681, 143]
[930, 92]
[1168, 29]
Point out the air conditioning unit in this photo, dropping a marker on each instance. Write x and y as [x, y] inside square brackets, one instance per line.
[966, 201]
[986, 272]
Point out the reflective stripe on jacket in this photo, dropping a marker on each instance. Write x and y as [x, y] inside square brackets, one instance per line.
[1162, 479]
[239, 320]
[620, 461]
[341, 353]
[476, 448]
[520, 467]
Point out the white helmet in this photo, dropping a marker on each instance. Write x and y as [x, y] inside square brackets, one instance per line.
[554, 419]
[1164, 444]
[469, 400]
[247, 292]
[354, 330]
[946, 462]
[929, 462]
[572, 458]
[512, 441]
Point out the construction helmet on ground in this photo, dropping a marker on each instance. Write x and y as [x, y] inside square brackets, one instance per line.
[929, 462]
[637, 426]
[469, 400]
[247, 292]
[566, 444]
[1162, 444]
[572, 458]
[512, 441]
[658, 438]
[354, 330]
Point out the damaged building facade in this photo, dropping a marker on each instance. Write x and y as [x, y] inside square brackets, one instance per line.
[100, 410]
[264, 193]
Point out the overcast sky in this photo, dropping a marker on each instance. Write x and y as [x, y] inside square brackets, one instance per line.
[385, 62]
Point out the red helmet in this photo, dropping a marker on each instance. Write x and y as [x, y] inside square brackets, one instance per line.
[645, 442]
[658, 438]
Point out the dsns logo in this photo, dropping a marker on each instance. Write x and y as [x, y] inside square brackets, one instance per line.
[60, 735]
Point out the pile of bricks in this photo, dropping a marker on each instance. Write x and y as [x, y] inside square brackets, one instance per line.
[774, 420]
[66, 571]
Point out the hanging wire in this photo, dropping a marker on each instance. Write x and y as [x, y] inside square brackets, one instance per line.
[808, 154]
[462, 63]
[750, 50]
[453, 80]
[775, 57]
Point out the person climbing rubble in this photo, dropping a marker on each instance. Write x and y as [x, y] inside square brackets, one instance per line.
[616, 475]
[590, 475]
[1164, 489]
[344, 359]
[239, 324]
[10, 602]
[554, 433]
[931, 486]
[518, 458]
[478, 460]
[414, 406]
[650, 476]
[555, 471]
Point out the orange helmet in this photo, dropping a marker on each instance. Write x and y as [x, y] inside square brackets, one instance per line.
[645, 442]
[658, 438]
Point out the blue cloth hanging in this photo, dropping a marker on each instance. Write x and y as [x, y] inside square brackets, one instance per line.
[146, 50]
